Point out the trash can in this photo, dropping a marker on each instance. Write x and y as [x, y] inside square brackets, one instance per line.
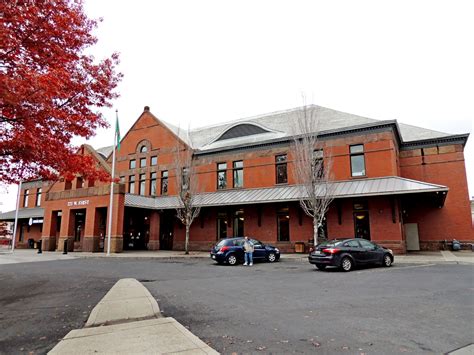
[31, 243]
[299, 247]
[456, 245]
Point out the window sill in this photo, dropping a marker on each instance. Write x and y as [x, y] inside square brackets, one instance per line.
[359, 177]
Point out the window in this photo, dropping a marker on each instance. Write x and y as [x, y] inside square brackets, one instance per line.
[142, 184]
[221, 225]
[367, 245]
[281, 169]
[283, 224]
[79, 182]
[142, 162]
[239, 223]
[153, 184]
[238, 173]
[318, 164]
[122, 180]
[357, 160]
[185, 179]
[38, 197]
[164, 182]
[351, 244]
[154, 161]
[221, 176]
[68, 185]
[131, 184]
[143, 149]
[133, 164]
[25, 198]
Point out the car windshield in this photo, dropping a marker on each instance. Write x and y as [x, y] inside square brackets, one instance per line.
[330, 243]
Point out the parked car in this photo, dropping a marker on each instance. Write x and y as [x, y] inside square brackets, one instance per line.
[231, 251]
[349, 253]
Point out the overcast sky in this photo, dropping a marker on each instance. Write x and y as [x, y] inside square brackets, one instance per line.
[204, 62]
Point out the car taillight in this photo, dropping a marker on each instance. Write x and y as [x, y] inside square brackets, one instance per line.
[224, 248]
[331, 250]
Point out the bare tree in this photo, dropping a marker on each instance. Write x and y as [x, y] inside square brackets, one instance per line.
[312, 168]
[187, 184]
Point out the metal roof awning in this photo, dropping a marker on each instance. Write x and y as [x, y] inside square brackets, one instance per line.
[36, 212]
[392, 185]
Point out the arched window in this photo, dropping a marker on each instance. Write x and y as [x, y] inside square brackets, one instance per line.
[241, 130]
[143, 146]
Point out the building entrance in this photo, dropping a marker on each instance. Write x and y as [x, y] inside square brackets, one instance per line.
[362, 225]
[136, 231]
[166, 230]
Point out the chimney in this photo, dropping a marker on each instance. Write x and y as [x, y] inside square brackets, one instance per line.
[146, 109]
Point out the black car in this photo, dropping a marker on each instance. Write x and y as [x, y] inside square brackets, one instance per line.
[348, 253]
[231, 251]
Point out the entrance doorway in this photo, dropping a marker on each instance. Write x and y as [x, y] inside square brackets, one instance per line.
[100, 228]
[136, 229]
[79, 224]
[166, 230]
[362, 225]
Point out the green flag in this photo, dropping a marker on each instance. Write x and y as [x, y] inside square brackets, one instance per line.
[117, 132]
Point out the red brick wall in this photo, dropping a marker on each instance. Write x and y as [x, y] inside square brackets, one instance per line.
[445, 166]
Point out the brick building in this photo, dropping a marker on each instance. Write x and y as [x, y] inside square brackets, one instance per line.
[401, 186]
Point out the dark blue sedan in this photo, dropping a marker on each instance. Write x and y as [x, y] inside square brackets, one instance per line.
[231, 251]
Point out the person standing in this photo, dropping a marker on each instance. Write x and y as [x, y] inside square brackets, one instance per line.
[248, 249]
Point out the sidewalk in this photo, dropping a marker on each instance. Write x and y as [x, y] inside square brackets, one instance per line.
[128, 321]
[30, 255]
[412, 257]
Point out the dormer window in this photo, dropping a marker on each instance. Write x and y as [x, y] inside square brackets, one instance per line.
[241, 130]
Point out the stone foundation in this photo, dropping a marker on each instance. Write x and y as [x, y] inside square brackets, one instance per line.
[49, 243]
[116, 244]
[153, 245]
[70, 243]
[91, 244]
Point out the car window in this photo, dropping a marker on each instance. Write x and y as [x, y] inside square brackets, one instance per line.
[239, 242]
[352, 244]
[221, 243]
[366, 244]
[256, 243]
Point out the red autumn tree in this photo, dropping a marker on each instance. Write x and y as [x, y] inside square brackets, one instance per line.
[51, 91]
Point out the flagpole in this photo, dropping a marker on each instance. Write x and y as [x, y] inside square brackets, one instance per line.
[109, 228]
[16, 216]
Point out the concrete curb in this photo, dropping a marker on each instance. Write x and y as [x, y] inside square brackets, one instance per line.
[152, 336]
[128, 321]
[128, 300]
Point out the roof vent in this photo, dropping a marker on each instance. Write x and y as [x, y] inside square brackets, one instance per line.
[146, 108]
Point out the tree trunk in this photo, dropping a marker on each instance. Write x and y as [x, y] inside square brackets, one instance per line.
[315, 230]
[186, 242]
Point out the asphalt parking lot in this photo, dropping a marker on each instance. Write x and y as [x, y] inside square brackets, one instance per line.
[287, 307]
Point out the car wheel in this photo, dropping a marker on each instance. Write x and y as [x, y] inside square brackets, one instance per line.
[347, 264]
[321, 266]
[271, 257]
[387, 260]
[231, 259]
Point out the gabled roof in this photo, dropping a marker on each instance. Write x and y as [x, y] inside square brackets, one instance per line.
[281, 125]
